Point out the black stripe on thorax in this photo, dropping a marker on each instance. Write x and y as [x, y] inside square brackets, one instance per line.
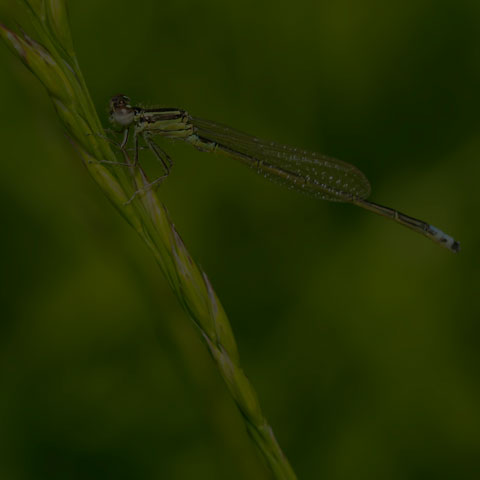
[161, 114]
[163, 109]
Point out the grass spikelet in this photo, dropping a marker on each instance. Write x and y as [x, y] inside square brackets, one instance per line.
[53, 61]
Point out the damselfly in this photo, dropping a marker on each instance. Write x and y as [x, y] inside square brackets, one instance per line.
[307, 172]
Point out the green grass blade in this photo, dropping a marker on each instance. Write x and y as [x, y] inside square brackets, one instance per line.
[54, 63]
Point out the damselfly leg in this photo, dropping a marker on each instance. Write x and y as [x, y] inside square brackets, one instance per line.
[119, 145]
[160, 155]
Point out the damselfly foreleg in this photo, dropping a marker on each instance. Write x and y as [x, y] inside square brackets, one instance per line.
[120, 146]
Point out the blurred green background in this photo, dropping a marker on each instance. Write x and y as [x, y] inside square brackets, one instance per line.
[361, 337]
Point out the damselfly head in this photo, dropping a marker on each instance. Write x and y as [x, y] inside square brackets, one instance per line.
[121, 112]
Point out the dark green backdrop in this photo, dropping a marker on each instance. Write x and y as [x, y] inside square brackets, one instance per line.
[361, 337]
